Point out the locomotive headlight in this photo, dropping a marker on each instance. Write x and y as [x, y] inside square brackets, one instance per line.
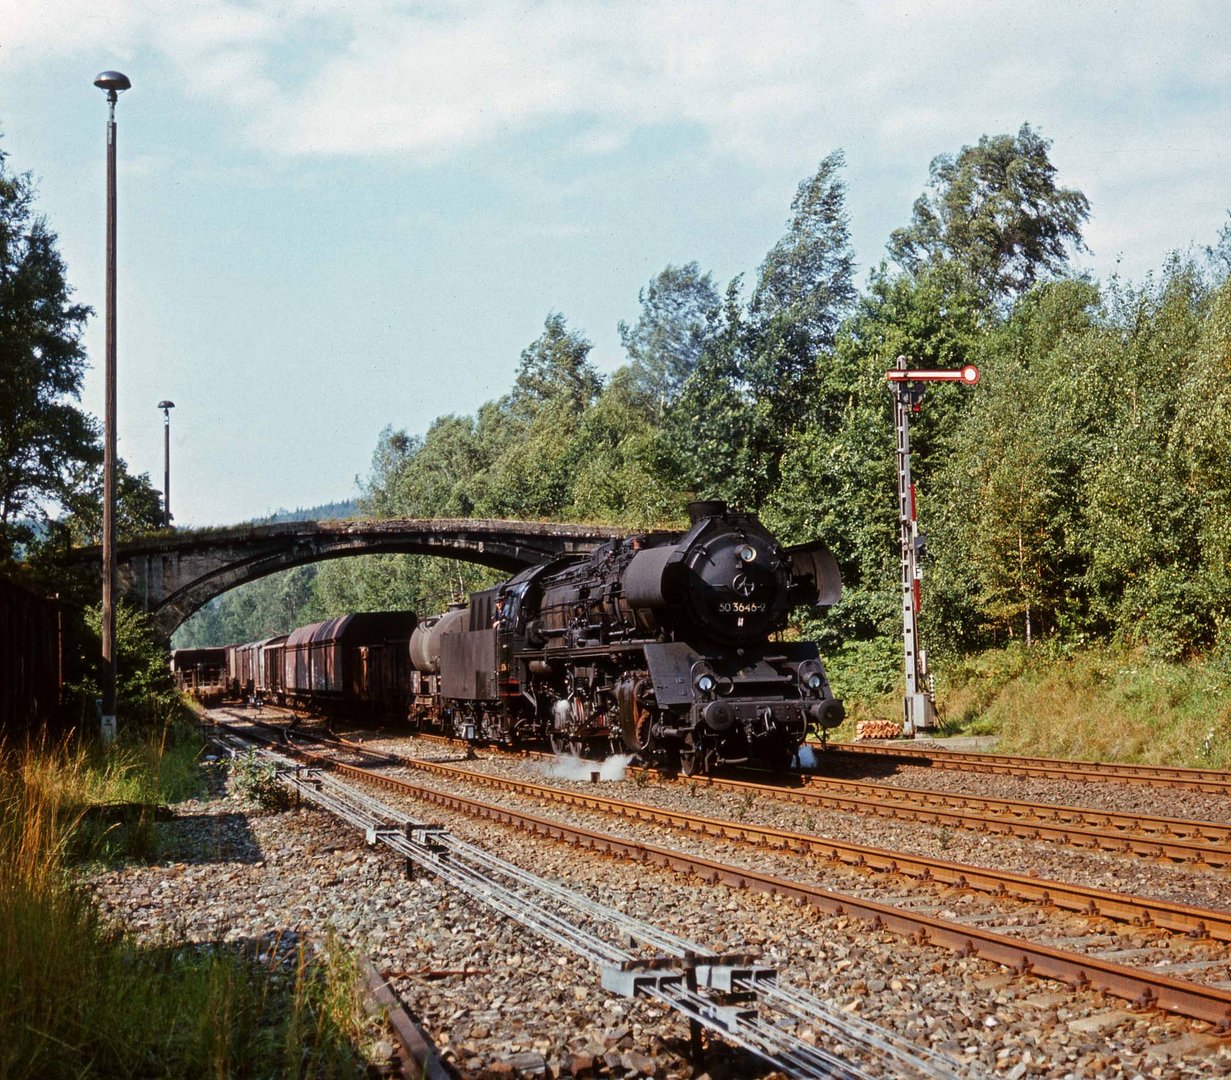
[703, 677]
[747, 553]
[811, 676]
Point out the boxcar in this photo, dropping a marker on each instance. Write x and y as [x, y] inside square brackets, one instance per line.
[234, 688]
[247, 667]
[201, 672]
[269, 676]
[355, 662]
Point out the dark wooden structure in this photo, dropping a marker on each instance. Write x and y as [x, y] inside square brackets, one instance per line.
[31, 659]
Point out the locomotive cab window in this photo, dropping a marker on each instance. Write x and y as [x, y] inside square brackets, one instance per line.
[513, 599]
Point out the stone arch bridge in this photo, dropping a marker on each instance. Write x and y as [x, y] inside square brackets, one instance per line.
[174, 574]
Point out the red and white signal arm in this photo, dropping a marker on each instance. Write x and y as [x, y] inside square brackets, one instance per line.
[968, 375]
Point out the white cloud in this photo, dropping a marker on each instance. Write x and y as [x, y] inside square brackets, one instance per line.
[401, 78]
[774, 83]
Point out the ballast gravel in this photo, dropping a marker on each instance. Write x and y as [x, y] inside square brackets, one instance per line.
[1201, 886]
[499, 1002]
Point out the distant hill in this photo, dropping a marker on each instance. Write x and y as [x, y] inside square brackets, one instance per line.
[324, 512]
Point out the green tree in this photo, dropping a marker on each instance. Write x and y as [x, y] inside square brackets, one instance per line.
[838, 479]
[1148, 578]
[555, 370]
[804, 290]
[1007, 512]
[705, 430]
[271, 605]
[625, 471]
[806, 283]
[997, 211]
[758, 377]
[138, 506]
[430, 477]
[1200, 450]
[44, 437]
[398, 583]
[145, 689]
[679, 312]
[532, 431]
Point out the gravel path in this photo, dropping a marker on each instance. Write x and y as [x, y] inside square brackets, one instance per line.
[230, 874]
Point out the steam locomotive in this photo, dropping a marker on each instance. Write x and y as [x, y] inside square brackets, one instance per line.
[656, 645]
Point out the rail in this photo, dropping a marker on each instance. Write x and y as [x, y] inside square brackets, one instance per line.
[1141, 987]
[1211, 781]
[1168, 915]
[714, 991]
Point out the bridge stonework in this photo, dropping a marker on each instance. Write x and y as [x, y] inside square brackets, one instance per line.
[173, 575]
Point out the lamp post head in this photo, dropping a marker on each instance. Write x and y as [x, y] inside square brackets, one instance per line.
[114, 82]
[166, 404]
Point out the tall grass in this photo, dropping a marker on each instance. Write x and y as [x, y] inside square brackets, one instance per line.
[1098, 705]
[1091, 704]
[77, 997]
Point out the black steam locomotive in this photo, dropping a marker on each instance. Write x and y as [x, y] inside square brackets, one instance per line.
[657, 645]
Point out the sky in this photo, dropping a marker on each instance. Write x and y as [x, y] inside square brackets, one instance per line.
[337, 216]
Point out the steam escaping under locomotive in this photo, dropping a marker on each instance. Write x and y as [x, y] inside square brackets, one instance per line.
[659, 645]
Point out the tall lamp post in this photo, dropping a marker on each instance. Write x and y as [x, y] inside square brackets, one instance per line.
[113, 83]
[166, 407]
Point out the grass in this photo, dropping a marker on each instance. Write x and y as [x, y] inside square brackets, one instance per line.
[79, 998]
[1097, 705]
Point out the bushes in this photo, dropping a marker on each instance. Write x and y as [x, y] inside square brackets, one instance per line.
[146, 697]
[78, 997]
[1104, 704]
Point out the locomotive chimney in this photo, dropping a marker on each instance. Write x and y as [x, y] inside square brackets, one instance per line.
[704, 508]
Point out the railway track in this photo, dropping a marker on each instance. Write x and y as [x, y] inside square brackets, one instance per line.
[1176, 839]
[731, 994]
[1211, 781]
[1180, 840]
[1137, 911]
[1140, 985]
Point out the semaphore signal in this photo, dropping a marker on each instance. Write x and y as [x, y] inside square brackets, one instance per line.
[909, 384]
[968, 374]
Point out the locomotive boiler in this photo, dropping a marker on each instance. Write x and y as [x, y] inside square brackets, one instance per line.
[659, 645]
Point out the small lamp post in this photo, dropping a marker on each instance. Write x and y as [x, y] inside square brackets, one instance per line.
[166, 407]
[113, 83]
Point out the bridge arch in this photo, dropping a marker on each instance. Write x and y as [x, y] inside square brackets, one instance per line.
[175, 574]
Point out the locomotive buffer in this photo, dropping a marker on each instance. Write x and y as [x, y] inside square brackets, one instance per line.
[908, 385]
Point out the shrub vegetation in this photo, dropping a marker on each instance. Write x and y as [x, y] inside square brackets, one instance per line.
[80, 997]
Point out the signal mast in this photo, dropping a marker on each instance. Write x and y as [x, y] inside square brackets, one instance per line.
[919, 703]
